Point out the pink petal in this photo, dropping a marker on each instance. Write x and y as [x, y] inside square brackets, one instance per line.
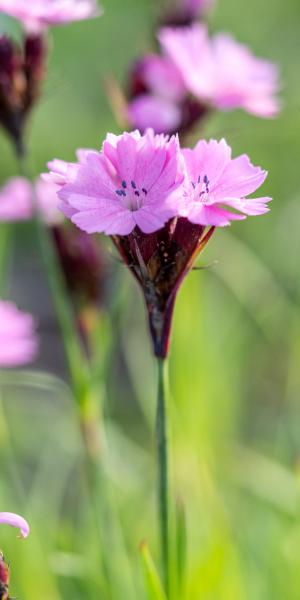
[151, 111]
[239, 179]
[207, 158]
[15, 521]
[202, 214]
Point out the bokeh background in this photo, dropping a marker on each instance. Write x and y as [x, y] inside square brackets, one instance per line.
[234, 365]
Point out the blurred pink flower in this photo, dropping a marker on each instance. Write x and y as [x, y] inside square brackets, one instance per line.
[16, 200]
[47, 201]
[133, 182]
[220, 71]
[157, 90]
[18, 340]
[38, 14]
[15, 521]
[216, 182]
[158, 74]
[148, 110]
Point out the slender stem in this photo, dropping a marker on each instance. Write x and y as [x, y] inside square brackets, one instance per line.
[162, 456]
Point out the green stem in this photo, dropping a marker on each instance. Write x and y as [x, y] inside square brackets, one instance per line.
[162, 456]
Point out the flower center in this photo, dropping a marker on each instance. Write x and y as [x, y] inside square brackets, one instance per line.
[201, 189]
[131, 196]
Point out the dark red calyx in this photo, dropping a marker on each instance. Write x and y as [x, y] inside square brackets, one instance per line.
[160, 261]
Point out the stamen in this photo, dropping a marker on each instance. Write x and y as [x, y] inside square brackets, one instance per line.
[136, 193]
[145, 191]
[124, 184]
[206, 181]
[199, 179]
[133, 184]
[119, 192]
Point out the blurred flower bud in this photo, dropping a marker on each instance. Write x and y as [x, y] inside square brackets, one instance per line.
[21, 74]
[4, 579]
[185, 12]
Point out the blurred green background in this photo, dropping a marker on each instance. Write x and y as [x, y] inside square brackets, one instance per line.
[234, 365]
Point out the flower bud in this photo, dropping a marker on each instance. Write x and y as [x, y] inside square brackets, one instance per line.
[4, 578]
[21, 73]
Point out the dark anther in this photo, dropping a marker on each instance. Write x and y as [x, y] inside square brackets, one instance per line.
[206, 181]
[145, 191]
[133, 184]
[124, 184]
[137, 193]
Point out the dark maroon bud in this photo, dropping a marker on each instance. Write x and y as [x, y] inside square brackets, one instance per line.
[21, 74]
[159, 262]
[7, 60]
[4, 579]
[136, 83]
[34, 54]
[82, 263]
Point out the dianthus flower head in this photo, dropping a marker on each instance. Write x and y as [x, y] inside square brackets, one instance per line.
[220, 71]
[18, 340]
[160, 205]
[134, 181]
[215, 183]
[36, 15]
[14, 520]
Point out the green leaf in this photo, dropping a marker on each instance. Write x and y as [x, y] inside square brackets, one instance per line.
[152, 580]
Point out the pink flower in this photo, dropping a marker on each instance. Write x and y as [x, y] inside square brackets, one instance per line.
[148, 110]
[157, 92]
[18, 341]
[160, 75]
[220, 71]
[134, 181]
[47, 201]
[15, 521]
[38, 14]
[215, 182]
[156, 202]
[16, 200]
